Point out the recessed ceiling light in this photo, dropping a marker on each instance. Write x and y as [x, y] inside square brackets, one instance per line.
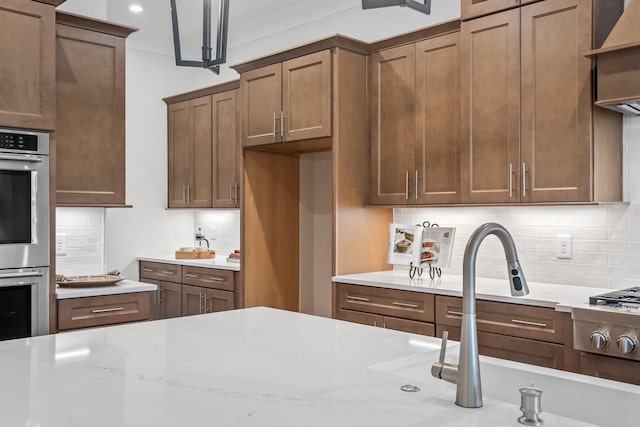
[136, 8]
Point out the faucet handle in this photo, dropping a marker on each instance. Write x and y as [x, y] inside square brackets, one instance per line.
[443, 348]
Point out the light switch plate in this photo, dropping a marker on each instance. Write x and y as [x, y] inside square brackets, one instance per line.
[563, 246]
[61, 244]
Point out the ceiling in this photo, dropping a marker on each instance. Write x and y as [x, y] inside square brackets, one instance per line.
[256, 25]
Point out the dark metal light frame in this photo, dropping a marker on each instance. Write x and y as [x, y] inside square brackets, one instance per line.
[212, 64]
[423, 6]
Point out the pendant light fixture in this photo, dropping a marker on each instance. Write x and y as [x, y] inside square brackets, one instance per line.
[423, 6]
[184, 44]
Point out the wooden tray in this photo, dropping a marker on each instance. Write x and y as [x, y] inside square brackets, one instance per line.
[88, 281]
[195, 255]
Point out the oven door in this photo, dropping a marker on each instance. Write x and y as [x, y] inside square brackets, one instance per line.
[24, 302]
[24, 210]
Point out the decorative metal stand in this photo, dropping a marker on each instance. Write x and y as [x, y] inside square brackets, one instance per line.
[433, 271]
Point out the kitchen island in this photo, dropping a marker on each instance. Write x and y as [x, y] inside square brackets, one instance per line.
[265, 367]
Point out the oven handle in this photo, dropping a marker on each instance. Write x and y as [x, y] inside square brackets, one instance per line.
[18, 275]
[21, 158]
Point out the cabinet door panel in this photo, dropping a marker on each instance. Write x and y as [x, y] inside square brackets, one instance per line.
[306, 96]
[217, 300]
[437, 115]
[27, 68]
[261, 103]
[154, 304]
[392, 113]
[225, 150]
[556, 101]
[170, 300]
[199, 190]
[178, 154]
[490, 116]
[90, 122]
[471, 8]
[192, 300]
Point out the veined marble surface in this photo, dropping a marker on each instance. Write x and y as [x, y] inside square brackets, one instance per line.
[266, 367]
[219, 261]
[122, 287]
[560, 297]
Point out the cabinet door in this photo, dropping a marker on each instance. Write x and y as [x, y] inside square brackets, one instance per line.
[170, 300]
[216, 300]
[474, 8]
[306, 96]
[199, 188]
[226, 155]
[192, 300]
[261, 105]
[437, 116]
[490, 108]
[27, 70]
[90, 122]
[154, 304]
[556, 101]
[178, 121]
[392, 124]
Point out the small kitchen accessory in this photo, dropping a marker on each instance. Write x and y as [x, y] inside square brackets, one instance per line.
[87, 281]
[530, 406]
[195, 254]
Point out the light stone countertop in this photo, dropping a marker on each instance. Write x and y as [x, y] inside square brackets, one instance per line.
[266, 367]
[560, 297]
[122, 287]
[220, 261]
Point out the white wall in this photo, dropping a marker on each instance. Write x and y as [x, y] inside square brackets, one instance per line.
[606, 239]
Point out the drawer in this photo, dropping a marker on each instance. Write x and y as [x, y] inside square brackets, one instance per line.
[359, 317]
[208, 278]
[76, 313]
[388, 302]
[611, 368]
[538, 323]
[160, 271]
[517, 349]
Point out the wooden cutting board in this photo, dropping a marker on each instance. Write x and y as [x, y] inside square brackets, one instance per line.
[195, 255]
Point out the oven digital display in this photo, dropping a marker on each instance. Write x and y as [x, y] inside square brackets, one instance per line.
[18, 141]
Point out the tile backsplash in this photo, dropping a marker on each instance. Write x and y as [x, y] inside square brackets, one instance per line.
[221, 227]
[606, 238]
[84, 229]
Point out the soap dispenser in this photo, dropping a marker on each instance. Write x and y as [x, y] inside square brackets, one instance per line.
[530, 406]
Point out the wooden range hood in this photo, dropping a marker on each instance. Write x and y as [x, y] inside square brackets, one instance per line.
[618, 64]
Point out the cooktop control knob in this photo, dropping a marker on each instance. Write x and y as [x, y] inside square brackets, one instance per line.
[599, 340]
[627, 344]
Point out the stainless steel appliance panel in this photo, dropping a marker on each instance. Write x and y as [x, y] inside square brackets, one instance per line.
[37, 281]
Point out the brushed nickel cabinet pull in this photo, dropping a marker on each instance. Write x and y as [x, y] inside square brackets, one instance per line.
[404, 304]
[201, 306]
[526, 322]
[160, 296]
[282, 124]
[184, 195]
[510, 180]
[454, 313]
[406, 186]
[193, 276]
[217, 279]
[375, 323]
[417, 184]
[188, 195]
[168, 272]
[148, 270]
[205, 303]
[524, 179]
[107, 310]
[275, 124]
[352, 298]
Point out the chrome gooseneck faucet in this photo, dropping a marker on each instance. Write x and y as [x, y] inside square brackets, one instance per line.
[466, 375]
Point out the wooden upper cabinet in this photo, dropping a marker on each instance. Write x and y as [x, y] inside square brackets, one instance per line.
[490, 108]
[437, 120]
[474, 8]
[90, 103]
[556, 104]
[392, 122]
[27, 65]
[226, 150]
[288, 101]
[190, 153]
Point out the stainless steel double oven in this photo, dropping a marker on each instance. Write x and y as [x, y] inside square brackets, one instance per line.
[24, 233]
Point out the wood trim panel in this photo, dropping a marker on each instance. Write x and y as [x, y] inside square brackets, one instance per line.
[438, 30]
[388, 302]
[525, 321]
[475, 8]
[161, 271]
[76, 313]
[199, 93]
[513, 348]
[94, 25]
[208, 278]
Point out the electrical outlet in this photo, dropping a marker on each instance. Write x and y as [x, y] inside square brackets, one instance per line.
[212, 232]
[61, 244]
[563, 246]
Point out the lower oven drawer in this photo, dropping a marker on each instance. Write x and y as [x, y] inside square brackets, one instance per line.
[611, 368]
[88, 312]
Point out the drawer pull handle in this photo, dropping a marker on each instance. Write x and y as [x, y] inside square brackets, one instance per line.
[404, 304]
[148, 270]
[107, 310]
[170, 273]
[454, 313]
[193, 276]
[217, 279]
[525, 322]
[352, 298]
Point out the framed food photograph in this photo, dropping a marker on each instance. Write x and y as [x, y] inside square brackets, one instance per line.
[437, 244]
[404, 244]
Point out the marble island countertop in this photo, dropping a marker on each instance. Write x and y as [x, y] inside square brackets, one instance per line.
[265, 367]
[122, 287]
[220, 261]
[560, 297]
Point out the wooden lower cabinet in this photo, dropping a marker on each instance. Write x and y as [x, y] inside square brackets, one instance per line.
[199, 300]
[627, 371]
[88, 312]
[166, 301]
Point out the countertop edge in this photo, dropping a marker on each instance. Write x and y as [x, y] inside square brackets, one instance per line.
[214, 263]
[124, 287]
